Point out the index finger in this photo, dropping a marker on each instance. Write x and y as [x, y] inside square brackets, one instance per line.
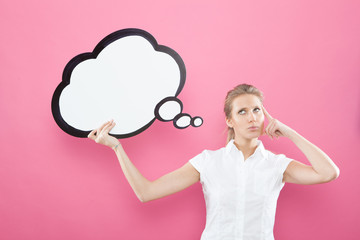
[267, 115]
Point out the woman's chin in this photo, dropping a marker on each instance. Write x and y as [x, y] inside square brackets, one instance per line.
[254, 135]
[250, 135]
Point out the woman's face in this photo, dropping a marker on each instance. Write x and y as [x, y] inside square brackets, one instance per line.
[247, 117]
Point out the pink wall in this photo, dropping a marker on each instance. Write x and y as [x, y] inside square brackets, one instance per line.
[304, 55]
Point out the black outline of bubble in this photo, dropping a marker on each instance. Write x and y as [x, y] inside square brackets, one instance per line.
[177, 117]
[192, 119]
[92, 55]
[192, 122]
[158, 106]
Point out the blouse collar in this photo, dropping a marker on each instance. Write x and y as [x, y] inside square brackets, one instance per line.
[259, 149]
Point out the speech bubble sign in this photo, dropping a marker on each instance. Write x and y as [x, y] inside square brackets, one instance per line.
[128, 77]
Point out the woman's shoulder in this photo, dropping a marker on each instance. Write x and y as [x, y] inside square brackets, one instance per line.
[277, 159]
[214, 152]
[274, 154]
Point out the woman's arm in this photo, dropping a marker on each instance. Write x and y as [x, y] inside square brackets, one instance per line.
[322, 168]
[168, 184]
[144, 189]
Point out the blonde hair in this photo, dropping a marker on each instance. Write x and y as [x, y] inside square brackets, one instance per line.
[231, 95]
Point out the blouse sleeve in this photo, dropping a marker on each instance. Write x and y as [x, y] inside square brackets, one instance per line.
[282, 163]
[198, 161]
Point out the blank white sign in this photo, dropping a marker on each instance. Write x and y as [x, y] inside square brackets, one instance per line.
[129, 78]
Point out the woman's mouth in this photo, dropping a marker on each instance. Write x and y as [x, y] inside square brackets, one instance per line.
[253, 128]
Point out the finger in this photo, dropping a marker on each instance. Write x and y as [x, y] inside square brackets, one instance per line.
[267, 131]
[91, 135]
[102, 126]
[272, 128]
[109, 127]
[278, 134]
[263, 132]
[275, 131]
[103, 130]
[267, 115]
[270, 136]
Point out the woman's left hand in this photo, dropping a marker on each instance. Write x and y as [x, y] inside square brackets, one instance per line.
[275, 128]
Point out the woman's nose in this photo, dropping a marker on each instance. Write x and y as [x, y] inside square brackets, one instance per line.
[252, 117]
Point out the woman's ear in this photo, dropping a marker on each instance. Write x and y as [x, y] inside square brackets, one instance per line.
[228, 122]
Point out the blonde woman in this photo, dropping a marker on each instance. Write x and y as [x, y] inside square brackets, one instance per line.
[241, 181]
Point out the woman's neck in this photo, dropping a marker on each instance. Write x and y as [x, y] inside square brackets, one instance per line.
[246, 146]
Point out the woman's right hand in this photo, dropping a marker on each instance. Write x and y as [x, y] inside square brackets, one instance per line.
[101, 135]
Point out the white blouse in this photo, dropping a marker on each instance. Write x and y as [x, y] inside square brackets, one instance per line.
[240, 195]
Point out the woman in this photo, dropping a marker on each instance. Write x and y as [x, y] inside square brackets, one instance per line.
[241, 181]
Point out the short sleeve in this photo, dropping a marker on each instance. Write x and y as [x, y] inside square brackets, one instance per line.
[282, 163]
[198, 161]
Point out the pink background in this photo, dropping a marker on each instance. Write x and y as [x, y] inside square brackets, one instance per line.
[304, 56]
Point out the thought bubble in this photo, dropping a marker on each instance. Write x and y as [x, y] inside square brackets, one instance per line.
[129, 78]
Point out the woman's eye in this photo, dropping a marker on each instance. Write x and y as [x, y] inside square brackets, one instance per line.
[242, 112]
[257, 110]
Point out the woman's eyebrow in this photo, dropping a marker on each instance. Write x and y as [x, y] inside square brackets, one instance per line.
[244, 108]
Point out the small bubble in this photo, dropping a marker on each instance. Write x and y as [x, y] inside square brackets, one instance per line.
[168, 109]
[182, 121]
[196, 121]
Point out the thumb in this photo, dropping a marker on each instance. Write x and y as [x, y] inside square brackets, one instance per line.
[91, 135]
